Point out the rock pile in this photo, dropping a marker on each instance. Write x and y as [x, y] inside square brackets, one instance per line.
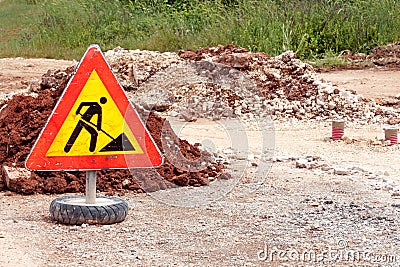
[226, 81]
[201, 89]
[292, 88]
[133, 67]
[386, 55]
[378, 180]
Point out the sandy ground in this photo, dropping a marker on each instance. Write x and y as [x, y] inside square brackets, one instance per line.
[263, 221]
[16, 73]
[371, 83]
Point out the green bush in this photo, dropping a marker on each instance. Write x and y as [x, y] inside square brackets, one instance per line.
[312, 28]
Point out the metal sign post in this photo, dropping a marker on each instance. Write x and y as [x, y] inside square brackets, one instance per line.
[90, 187]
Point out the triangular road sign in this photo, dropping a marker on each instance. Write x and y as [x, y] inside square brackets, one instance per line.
[94, 125]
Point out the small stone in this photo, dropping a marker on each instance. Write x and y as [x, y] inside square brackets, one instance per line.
[327, 139]
[12, 173]
[241, 156]
[301, 163]
[388, 188]
[225, 176]
[310, 158]
[357, 169]
[373, 177]
[189, 117]
[386, 173]
[347, 140]
[228, 151]
[341, 171]
[280, 158]
[376, 142]
[326, 167]
[396, 188]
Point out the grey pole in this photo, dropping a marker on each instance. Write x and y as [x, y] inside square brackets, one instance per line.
[90, 187]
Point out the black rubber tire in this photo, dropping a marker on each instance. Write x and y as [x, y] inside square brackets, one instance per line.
[74, 210]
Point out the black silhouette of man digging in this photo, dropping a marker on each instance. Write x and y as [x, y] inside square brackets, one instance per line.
[84, 123]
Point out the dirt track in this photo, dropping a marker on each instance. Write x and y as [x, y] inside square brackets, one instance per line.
[16, 73]
[371, 83]
[295, 209]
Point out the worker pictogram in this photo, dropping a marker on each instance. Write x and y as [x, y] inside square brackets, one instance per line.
[94, 125]
[84, 123]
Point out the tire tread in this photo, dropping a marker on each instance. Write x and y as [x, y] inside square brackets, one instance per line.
[67, 213]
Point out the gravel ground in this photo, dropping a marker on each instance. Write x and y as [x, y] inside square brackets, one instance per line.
[351, 219]
[322, 203]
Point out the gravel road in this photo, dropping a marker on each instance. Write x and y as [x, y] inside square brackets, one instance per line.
[295, 210]
[341, 209]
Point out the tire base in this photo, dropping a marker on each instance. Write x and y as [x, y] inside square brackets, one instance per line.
[73, 210]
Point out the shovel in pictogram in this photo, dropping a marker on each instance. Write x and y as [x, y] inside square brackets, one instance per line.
[120, 143]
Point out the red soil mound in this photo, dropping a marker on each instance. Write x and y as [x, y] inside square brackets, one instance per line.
[23, 117]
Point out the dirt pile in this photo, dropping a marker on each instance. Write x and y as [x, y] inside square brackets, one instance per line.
[133, 67]
[201, 89]
[283, 75]
[292, 88]
[227, 81]
[387, 56]
[23, 117]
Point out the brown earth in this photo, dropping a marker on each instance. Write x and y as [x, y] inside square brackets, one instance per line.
[17, 73]
[23, 117]
[374, 75]
[372, 82]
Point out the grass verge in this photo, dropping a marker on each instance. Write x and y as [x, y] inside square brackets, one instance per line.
[311, 28]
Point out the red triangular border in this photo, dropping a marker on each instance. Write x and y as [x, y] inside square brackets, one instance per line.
[93, 59]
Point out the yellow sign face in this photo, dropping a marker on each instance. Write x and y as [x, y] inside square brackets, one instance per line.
[94, 126]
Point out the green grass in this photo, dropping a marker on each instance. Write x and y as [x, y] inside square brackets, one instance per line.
[311, 28]
[16, 17]
[327, 60]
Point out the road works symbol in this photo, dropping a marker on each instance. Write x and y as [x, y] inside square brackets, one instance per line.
[93, 109]
[94, 125]
[121, 143]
